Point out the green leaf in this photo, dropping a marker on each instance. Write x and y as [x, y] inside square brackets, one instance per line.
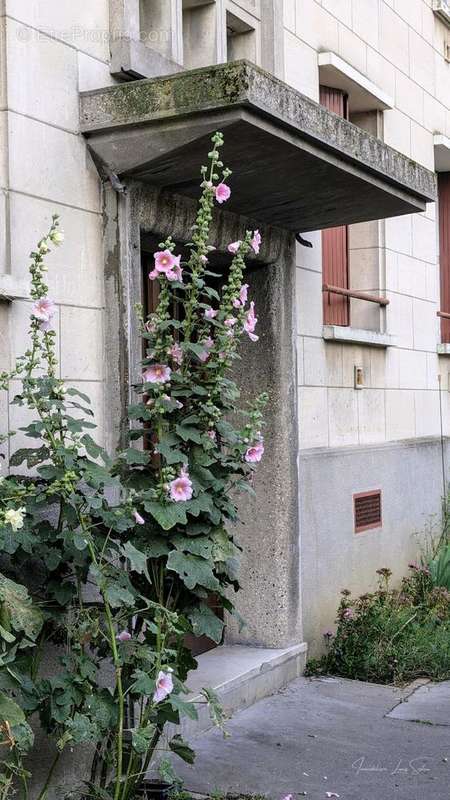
[141, 738]
[167, 515]
[199, 546]
[206, 623]
[172, 456]
[142, 683]
[32, 456]
[183, 708]
[76, 393]
[10, 712]
[182, 749]
[17, 611]
[189, 433]
[137, 559]
[193, 570]
[118, 596]
[134, 456]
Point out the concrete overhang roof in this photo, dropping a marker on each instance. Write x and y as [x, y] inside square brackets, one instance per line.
[295, 164]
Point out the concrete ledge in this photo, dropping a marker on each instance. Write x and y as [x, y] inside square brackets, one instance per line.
[338, 333]
[442, 10]
[363, 94]
[441, 153]
[13, 289]
[443, 349]
[240, 676]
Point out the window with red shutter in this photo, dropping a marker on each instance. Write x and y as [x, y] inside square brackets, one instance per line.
[336, 308]
[444, 250]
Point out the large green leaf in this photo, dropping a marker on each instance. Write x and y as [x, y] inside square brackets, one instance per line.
[193, 570]
[206, 623]
[10, 712]
[182, 749]
[17, 612]
[167, 515]
[137, 559]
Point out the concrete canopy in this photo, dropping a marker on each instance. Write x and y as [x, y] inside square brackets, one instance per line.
[296, 165]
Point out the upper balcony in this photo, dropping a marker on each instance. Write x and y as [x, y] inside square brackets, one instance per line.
[295, 164]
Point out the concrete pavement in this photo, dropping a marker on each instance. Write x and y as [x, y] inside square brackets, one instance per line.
[325, 737]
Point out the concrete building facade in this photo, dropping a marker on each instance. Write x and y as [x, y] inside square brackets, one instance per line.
[356, 408]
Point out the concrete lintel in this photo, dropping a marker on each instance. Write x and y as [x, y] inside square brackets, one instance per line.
[339, 333]
[240, 676]
[131, 59]
[364, 95]
[309, 168]
[441, 153]
[13, 289]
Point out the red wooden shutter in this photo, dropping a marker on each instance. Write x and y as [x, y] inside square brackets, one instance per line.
[336, 308]
[444, 250]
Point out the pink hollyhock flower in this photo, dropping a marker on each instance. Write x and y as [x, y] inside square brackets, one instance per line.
[233, 247]
[230, 322]
[165, 261]
[44, 310]
[153, 274]
[256, 242]
[164, 686]
[250, 323]
[348, 613]
[254, 453]
[157, 373]
[212, 435]
[205, 354]
[243, 295]
[222, 193]
[181, 487]
[150, 326]
[210, 313]
[177, 353]
[175, 274]
[204, 259]
[140, 520]
[124, 636]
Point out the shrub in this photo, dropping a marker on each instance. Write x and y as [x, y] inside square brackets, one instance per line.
[391, 636]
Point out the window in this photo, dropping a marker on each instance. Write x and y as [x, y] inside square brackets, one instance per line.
[241, 39]
[444, 252]
[351, 268]
[336, 307]
[201, 44]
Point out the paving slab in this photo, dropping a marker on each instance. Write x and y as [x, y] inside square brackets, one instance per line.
[325, 737]
[429, 704]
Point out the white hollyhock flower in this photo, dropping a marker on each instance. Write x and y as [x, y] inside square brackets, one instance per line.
[15, 517]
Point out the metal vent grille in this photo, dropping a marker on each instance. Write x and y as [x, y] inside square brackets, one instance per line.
[367, 506]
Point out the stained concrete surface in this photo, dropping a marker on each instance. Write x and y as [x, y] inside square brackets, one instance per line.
[330, 736]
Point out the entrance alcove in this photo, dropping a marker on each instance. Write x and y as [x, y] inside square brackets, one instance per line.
[137, 222]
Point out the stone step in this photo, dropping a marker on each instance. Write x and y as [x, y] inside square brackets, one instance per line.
[240, 675]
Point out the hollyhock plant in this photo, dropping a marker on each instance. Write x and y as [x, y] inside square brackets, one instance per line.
[233, 247]
[189, 447]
